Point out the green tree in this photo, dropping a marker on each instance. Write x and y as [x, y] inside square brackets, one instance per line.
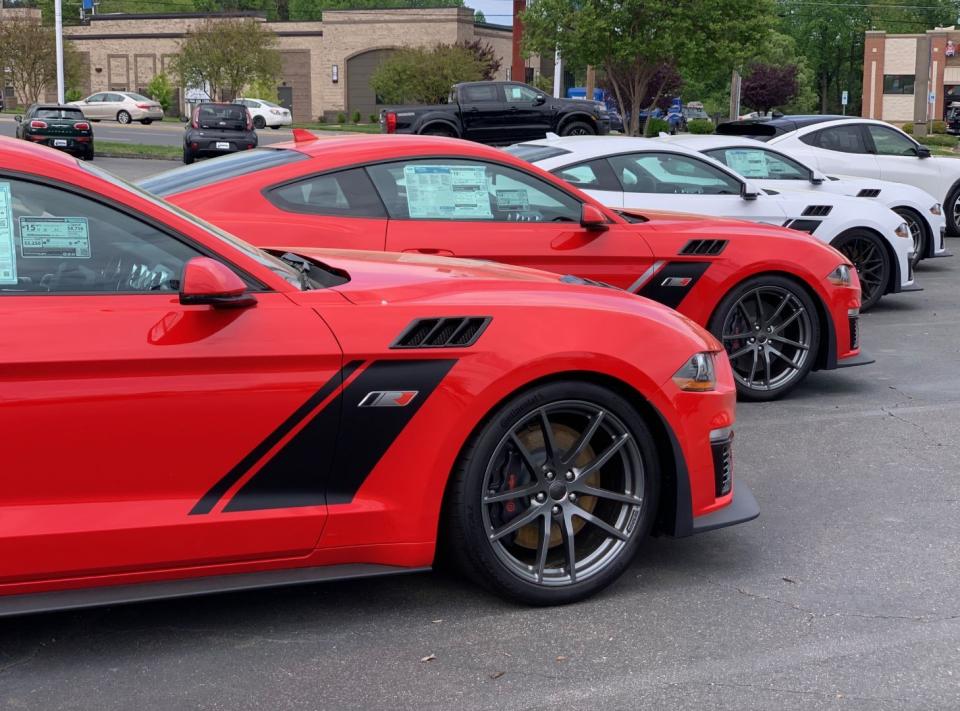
[28, 52]
[159, 90]
[225, 55]
[313, 9]
[479, 18]
[424, 76]
[631, 39]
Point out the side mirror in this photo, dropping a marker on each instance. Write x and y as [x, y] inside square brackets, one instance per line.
[207, 281]
[749, 191]
[591, 218]
[817, 178]
[923, 152]
[540, 100]
[18, 118]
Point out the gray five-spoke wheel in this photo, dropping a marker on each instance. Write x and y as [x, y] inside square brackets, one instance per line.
[562, 493]
[955, 208]
[917, 234]
[767, 336]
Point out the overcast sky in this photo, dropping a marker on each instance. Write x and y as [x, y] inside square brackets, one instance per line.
[498, 12]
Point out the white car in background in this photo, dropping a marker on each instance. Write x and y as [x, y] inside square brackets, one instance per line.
[863, 147]
[266, 113]
[645, 173]
[774, 169]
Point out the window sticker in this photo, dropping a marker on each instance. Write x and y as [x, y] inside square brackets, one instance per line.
[512, 200]
[749, 163]
[8, 253]
[447, 191]
[54, 238]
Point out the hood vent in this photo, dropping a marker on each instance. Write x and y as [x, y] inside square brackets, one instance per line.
[454, 332]
[869, 192]
[817, 210]
[709, 247]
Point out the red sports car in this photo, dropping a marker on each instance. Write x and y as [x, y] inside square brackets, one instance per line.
[183, 412]
[782, 303]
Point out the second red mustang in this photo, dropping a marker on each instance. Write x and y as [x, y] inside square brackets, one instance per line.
[782, 303]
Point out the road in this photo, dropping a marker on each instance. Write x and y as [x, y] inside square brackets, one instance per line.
[158, 134]
[842, 595]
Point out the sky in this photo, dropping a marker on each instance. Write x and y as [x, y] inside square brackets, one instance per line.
[498, 12]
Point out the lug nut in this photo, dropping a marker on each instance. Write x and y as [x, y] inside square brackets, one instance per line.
[550, 476]
[556, 510]
[569, 476]
[572, 498]
[541, 497]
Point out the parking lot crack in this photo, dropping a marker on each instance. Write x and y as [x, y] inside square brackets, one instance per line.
[933, 439]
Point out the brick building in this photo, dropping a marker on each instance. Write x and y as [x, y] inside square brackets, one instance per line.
[901, 72]
[326, 65]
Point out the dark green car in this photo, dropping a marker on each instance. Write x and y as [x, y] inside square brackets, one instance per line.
[60, 127]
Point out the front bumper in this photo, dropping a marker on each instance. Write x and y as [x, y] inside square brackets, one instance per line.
[742, 508]
[852, 361]
[940, 249]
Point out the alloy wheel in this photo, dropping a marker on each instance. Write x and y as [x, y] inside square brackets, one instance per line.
[869, 262]
[767, 336]
[956, 208]
[916, 234]
[562, 493]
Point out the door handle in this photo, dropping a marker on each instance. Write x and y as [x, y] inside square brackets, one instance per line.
[430, 250]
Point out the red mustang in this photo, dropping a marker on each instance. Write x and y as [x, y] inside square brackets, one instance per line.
[782, 303]
[183, 412]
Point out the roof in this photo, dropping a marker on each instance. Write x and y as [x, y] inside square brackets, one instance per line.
[580, 148]
[765, 129]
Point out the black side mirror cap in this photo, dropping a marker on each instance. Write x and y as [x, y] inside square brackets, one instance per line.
[923, 152]
[540, 100]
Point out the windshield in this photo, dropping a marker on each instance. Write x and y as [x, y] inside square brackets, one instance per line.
[74, 114]
[138, 97]
[278, 267]
[191, 177]
[533, 153]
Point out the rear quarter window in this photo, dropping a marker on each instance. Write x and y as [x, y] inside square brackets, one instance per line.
[191, 177]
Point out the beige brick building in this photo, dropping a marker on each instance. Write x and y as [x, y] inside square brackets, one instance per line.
[326, 66]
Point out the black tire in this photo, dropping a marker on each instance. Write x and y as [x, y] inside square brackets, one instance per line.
[952, 209]
[869, 255]
[259, 122]
[438, 131]
[89, 155]
[471, 522]
[918, 233]
[774, 353]
[275, 128]
[578, 128]
[146, 122]
[123, 117]
[188, 157]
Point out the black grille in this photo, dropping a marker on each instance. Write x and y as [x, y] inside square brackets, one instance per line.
[869, 192]
[723, 466]
[453, 332]
[704, 246]
[854, 332]
[817, 210]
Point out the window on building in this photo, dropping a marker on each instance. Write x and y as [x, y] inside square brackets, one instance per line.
[898, 83]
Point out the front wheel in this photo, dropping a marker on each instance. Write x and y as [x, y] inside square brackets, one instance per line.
[918, 233]
[769, 327]
[953, 211]
[578, 128]
[551, 499]
[870, 257]
[123, 117]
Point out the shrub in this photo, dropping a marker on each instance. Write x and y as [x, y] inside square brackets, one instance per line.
[939, 127]
[356, 117]
[939, 140]
[374, 118]
[159, 90]
[341, 118]
[701, 126]
[424, 76]
[656, 126]
[907, 128]
[321, 119]
[73, 95]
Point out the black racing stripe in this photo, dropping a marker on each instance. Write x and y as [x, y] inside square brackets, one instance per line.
[366, 433]
[205, 505]
[658, 288]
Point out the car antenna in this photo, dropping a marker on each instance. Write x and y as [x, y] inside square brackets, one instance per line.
[301, 135]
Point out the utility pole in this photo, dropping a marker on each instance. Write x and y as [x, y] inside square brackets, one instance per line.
[517, 68]
[591, 83]
[735, 95]
[557, 75]
[58, 29]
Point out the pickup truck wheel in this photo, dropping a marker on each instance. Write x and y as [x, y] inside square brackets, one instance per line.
[437, 131]
[578, 128]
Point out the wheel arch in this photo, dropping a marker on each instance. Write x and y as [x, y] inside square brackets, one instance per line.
[438, 122]
[576, 116]
[893, 278]
[925, 226]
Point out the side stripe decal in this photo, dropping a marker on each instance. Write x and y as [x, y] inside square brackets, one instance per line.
[672, 283]
[216, 492]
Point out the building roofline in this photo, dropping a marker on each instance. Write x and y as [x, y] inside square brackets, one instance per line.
[177, 15]
[492, 26]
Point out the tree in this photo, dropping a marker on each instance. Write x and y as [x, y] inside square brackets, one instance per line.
[766, 87]
[224, 55]
[486, 57]
[632, 39]
[479, 18]
[313, 9]
[28, 51]
[159, 90]
[424, 76]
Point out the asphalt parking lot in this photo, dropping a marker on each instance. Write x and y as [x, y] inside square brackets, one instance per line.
[842, 595]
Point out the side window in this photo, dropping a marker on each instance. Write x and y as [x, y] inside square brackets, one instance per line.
[671, 173]
[845, 139]
[96, 98]
[481, 93]
[891, 143]
[519, 93]
[452, 189]
[595, 175]
[760, 163]
[348, 193]
[55, 241]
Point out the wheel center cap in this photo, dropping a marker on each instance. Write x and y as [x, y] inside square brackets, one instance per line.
[761, 339]
[557, 491]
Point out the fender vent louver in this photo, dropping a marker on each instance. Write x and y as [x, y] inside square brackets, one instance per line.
[817, 210]
[869, 192]
[704, 246]
[453, 332]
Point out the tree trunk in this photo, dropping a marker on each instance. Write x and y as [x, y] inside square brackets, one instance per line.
[824, 88]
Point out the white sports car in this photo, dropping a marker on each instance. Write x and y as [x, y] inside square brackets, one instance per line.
[776, 170]
[266, 113]
[862, 147]
[638, 173]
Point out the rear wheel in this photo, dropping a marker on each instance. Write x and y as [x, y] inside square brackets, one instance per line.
[259, 122]
[188, 157]
[578, 128]
[89, 154]
[769, 328]
[918, 233]
[147, 122]
[870, 257]
[551, 499]
[123, 117]
[437, 131]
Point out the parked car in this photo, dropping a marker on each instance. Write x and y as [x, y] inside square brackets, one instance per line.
[952, 118]
[428, 195]
[266, 113]
[218, 129]
[60, 127]
[638, 173]
[694, 111]
[121, 106]
[498, 113]
[330, 414]
[862, 147]
[772, 169]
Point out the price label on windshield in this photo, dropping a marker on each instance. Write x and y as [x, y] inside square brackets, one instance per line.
[8, 253]
[54, 237]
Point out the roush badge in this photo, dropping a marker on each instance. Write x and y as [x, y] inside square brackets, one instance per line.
[388, 398]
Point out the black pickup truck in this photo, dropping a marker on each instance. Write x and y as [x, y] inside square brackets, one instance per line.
[498, 113]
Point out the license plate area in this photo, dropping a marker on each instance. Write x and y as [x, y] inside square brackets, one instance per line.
[223, 146]
[60, 142]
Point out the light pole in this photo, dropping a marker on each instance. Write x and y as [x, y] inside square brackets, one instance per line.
[58, 29]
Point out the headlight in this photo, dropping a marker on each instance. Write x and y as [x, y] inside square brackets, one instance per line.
[902, 230]
[840, 276]
[936, 209]
[697, 374]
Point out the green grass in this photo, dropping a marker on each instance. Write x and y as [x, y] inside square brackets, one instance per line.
[114, 149]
